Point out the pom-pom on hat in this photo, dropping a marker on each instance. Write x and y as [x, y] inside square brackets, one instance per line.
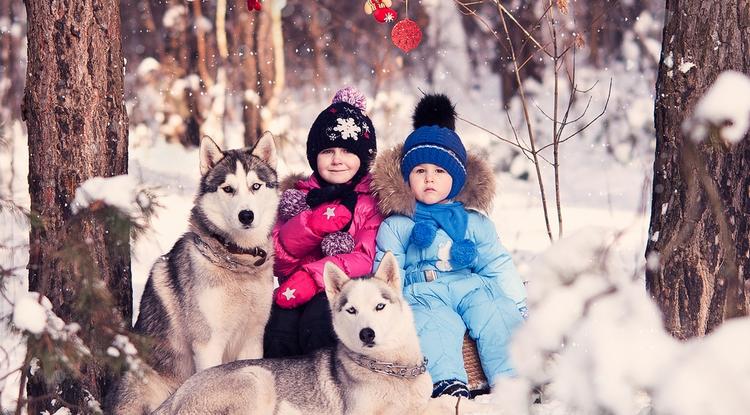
[343, 124]
[434, 141]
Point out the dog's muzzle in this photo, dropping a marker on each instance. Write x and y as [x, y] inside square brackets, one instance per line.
[246, 217]
[367, 335]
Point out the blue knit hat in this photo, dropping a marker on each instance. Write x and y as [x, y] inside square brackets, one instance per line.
[434, 141]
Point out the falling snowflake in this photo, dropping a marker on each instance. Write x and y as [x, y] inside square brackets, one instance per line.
[347, 128]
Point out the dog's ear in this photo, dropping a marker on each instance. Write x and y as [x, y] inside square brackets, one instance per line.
[210, 154]
[389, 271]
[334, 278]
[265, 149]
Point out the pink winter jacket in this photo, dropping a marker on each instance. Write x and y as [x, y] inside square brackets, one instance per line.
[298, 248]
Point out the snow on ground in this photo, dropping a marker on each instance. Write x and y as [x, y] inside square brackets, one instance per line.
[596, 191]
[605, 178]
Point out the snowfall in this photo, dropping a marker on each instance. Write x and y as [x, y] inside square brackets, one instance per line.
[594, 337]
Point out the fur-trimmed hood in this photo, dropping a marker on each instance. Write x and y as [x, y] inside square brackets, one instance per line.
[395, 197]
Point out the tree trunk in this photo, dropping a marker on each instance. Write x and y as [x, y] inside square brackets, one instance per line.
[700, 277]
[604, 24]
[257, 75]
[77, 124]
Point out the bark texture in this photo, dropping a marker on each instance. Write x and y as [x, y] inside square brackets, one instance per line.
[700, 279]
[77, 129]
[253, 39]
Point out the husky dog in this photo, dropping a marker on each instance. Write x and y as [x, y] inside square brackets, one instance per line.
[376, 367]
[208, 300]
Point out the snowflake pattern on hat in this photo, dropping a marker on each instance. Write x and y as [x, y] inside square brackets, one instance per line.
[347, 128]
[343, 124]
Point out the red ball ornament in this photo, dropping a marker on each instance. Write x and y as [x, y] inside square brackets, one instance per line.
[406, 35]
[253, 5]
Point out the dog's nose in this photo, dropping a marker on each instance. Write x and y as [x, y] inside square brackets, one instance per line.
[367, 335]
[246, 217]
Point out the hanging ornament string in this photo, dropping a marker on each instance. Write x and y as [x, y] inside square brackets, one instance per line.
[406, 34]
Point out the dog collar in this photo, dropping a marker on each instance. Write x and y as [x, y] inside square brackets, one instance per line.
[237, 250]
[391, 369]
[209, 252]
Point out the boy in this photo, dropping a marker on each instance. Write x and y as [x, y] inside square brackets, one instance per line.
[457, 276]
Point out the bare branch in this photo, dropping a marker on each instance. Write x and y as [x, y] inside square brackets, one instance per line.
[468, 11]
[528, 121]
[492, 133]
[606, 103]
[515, 134]
[555, 137]
[571, 100]
[5, 376]
[586, 91]
[503, 10]
[565, 123]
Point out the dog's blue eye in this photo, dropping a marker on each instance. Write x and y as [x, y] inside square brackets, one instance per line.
[351, 310]
[228, 189]
[379, 306]
[256, 186]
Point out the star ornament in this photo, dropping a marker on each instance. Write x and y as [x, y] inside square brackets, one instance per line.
[329, 213]
[289, 293]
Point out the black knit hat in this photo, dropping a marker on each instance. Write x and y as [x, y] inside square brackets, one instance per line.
[344, 124]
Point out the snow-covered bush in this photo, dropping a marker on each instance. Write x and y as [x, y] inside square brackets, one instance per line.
[596, 340]
[49, 349]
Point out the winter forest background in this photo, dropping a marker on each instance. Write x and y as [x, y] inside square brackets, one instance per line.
[558, 95]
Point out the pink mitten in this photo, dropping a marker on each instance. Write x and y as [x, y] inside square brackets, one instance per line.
[329, 217]
[297, 290]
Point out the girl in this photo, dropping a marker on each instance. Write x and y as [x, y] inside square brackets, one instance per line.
[329, 216]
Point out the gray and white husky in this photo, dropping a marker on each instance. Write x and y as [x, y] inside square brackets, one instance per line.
[208, 300]
[376, 367]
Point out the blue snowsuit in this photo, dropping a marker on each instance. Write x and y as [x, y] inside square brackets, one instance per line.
[486, 297]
